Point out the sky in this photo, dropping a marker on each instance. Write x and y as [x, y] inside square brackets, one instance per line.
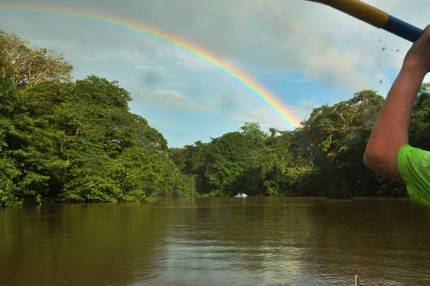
[303, 53]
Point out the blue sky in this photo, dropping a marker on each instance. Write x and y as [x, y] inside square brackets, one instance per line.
[305, 53]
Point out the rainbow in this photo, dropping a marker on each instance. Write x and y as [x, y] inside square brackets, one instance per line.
[239, 77]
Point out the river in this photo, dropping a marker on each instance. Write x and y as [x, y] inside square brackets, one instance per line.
[220, 241]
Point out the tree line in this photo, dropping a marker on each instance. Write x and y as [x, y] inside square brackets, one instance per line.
[76, 141]
[73, 141]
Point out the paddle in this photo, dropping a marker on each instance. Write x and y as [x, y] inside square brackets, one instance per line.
[375, 17]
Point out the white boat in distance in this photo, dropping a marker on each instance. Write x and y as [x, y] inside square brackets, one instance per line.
[241, 195]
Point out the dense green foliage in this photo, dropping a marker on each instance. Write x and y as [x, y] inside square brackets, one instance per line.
[323, 157]
[76, 141]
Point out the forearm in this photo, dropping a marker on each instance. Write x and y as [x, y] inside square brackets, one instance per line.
[391, 129]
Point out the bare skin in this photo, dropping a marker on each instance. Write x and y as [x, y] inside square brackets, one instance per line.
[391, 128]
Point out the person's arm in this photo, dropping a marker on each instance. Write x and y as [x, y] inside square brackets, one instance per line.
[391, 128]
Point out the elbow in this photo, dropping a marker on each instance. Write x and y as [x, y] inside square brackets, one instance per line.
[373, 159]
[367, 159]
[381, 161]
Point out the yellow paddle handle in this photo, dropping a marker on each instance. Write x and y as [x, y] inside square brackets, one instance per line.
[360, 10]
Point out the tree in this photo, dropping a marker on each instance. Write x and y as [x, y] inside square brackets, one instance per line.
[69, 140]
[26, 67]
[420, 119]
[340, 133]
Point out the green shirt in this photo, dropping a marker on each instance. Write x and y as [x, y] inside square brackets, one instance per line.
[414, 168]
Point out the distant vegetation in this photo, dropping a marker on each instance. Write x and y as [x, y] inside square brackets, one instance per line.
[76, 141]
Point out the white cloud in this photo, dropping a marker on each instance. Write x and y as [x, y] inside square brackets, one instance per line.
[134, 57]
[152, 74]
[293, 35]
[304, 107]
[266, 117]
[327, 47]
[188, 60]
[171, 99]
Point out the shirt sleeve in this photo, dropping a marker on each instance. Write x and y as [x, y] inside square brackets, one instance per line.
[414, 168]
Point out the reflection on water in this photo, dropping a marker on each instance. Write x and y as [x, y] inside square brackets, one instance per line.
[254, 241]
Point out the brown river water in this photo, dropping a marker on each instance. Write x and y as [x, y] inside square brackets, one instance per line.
[253, 241]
